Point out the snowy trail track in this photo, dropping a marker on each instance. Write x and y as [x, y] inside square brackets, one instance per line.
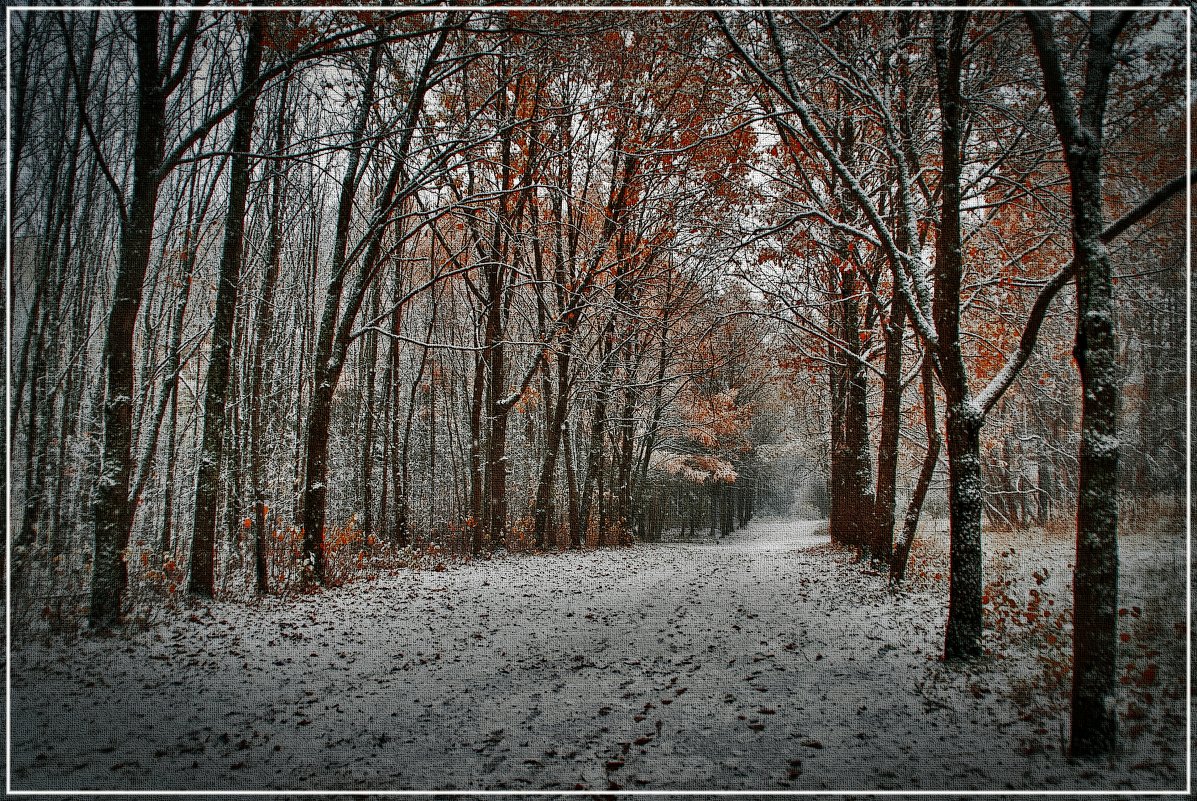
[764, 661]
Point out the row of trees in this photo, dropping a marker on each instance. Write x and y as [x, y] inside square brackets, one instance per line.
[289, 285]
[934, 177]
[378, 277]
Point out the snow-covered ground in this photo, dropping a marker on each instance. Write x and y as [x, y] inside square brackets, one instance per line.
[764, 661]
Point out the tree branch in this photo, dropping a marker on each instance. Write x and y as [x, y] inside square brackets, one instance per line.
[1001, 382]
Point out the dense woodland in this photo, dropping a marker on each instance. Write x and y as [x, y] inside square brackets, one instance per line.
[297, 294]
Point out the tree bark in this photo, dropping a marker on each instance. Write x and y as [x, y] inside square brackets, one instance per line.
[852, 498]
[963, 419]
[910, 524]
[207, 487]
[112, 511]
[1094, 729]
[325, 367]
[264, 324]
[881, 539]
[370, 359]
[553, 440]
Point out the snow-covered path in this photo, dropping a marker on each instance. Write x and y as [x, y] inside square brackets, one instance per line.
[766, 660]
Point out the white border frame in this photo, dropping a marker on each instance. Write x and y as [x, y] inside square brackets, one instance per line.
[601, 8]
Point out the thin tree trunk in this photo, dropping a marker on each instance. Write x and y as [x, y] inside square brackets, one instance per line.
[836, 478]
[370, 358]
[881, 540]
[541, 511]
[576, 536]
[477, 477]
[404, 466]
[398, 467]
[594, 453]
[264, 325]
[910, 524]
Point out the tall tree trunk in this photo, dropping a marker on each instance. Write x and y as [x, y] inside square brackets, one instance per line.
[170, 391]
[305, 317]
[341, 307]
[405, 450]
[963, 418]
[112, 510]
[858, 466]
[556, 400]
[326, 368]
[168, 479]
[623, 468]
[39, 421]
[399, 470]
[654, 424]
[1094, 729]
[369, 358]
[264, 325]
[495, 452]
[207, 485]
[72, 404]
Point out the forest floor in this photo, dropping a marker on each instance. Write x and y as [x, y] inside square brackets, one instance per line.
[768, 660]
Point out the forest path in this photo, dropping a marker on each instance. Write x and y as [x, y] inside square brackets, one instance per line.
[764, 660]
